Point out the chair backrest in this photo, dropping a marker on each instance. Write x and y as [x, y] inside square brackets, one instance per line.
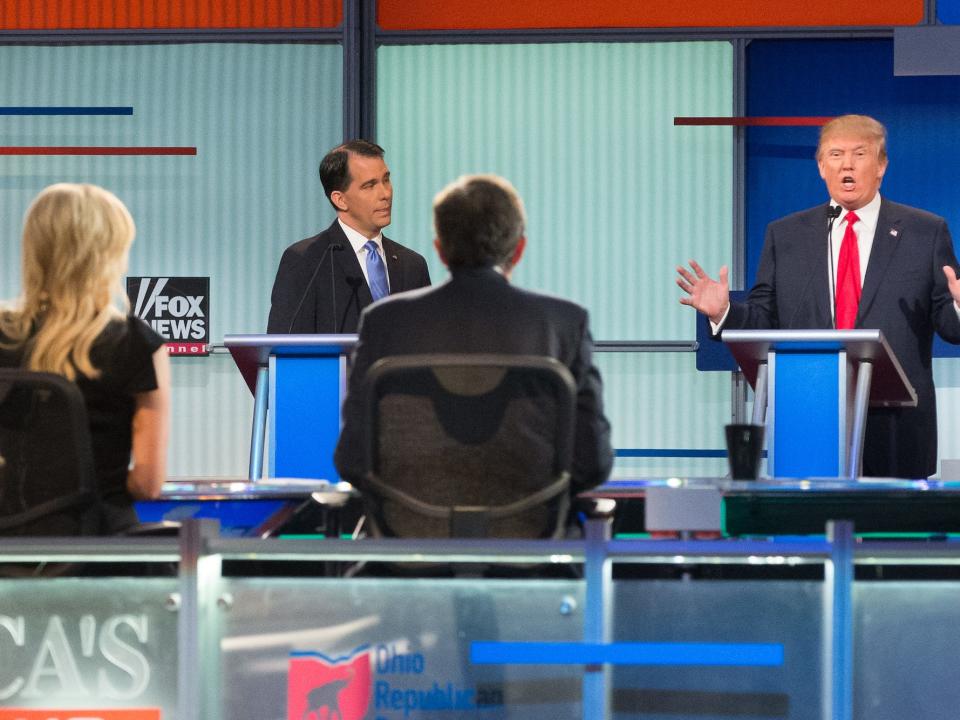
[468, 445]
[47, 480]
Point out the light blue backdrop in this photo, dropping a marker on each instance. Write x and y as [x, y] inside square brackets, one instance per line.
[260, 116]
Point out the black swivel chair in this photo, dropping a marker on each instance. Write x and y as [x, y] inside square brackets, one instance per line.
[468, 446]
[47, 482]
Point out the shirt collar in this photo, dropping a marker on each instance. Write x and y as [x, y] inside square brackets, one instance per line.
[868, 214]
[357, 240]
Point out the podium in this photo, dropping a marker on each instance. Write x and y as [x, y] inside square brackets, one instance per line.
[301, 380]
[813, 389]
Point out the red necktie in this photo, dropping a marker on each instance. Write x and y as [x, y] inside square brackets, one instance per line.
[848, 276]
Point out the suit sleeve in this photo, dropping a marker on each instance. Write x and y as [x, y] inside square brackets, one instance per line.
[422, 275]
[944, 311]
[288, 287]
[592, 451]
[760, 309]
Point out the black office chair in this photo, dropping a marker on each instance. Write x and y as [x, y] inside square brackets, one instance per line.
[468, 446]
[47, 482]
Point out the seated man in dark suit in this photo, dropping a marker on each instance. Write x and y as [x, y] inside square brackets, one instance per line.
[479, 222]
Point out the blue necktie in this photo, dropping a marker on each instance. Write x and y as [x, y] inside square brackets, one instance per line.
[376, 272]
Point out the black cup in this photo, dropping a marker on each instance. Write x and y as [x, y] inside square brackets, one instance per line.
[744, 450]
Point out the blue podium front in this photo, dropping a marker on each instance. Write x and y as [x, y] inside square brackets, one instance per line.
[298, 382]
[812, 390]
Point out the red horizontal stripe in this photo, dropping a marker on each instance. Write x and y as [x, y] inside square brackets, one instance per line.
[744, 121]
[93, 150]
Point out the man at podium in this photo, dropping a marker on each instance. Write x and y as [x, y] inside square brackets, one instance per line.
[858, 261]
[324, 282]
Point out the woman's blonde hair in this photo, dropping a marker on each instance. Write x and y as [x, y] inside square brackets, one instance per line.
[75, 243]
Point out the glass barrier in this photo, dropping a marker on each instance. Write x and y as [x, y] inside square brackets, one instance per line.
[250, 628]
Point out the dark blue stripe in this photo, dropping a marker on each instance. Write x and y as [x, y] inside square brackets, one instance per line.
[546, 653]
[670, 453]
[37, 110]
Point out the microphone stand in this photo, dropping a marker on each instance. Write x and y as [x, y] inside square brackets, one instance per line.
[354, 283]
[332, 247]
[833, 212]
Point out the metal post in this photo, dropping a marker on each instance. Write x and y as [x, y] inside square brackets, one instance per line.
[837, 670]
[359, 69]
[860, 405]
[597, 616]
[760, 396]
[739, 269]
[259, 430]
[199, 692]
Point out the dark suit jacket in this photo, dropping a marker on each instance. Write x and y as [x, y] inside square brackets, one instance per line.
[407, 270]
[904, 294]
[479, 311]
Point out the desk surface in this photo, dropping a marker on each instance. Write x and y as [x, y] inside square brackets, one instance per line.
[248, 509]
[771, 506]
[238, 488]
[768, 506]
[632, 488]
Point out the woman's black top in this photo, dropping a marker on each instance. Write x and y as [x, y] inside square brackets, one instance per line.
[124, 355]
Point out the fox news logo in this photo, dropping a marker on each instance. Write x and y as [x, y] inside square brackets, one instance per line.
[177, 308]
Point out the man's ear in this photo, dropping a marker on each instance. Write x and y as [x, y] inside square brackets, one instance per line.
[439, 249]
[518, 251]
[338, 200]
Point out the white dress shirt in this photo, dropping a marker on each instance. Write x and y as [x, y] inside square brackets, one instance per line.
[865, 228]
[357, 242]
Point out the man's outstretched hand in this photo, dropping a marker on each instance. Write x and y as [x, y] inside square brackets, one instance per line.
[712, 297]
[953, 283]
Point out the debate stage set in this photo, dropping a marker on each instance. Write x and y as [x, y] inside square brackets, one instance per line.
[639, 135]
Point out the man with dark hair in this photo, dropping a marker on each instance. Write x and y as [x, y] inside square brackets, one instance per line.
[324, 282]
[479, 222]
[884, 265]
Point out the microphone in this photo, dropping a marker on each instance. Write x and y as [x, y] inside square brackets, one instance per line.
[355, 284]
[332, 247]
[833, 212]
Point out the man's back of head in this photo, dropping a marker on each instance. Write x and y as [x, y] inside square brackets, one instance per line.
[479, 222]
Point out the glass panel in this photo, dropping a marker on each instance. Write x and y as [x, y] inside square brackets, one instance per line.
[685, 611]
[92, 643]
[396, 648]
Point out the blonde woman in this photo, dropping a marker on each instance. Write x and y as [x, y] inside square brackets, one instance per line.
[76, 239]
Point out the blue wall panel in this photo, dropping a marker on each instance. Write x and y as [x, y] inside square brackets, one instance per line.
[948, 11]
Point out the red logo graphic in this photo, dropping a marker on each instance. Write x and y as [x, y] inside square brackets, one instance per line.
[322, 688]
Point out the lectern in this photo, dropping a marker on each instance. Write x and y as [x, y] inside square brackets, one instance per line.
[301, 379]
[813, 388]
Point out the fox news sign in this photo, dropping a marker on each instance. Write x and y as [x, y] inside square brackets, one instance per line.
[177, 308]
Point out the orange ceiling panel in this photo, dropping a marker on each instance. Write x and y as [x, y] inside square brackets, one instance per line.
[44, 15]
[543, 14]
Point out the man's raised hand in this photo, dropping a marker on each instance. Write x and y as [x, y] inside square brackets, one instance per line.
[709, 296]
